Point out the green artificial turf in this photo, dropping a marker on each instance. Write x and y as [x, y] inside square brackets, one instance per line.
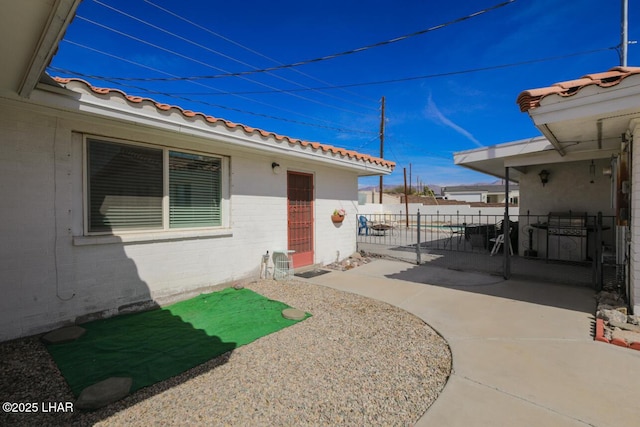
[155, 345]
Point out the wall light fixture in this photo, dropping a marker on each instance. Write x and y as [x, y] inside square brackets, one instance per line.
[544, 176]
[275, 167]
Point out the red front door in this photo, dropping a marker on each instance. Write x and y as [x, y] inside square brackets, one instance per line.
[300, 217]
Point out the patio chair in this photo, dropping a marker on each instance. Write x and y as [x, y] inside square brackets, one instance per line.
[363, 224]
[455, 232]
[499, 241]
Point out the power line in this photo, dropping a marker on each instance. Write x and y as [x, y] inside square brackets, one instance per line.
[180, 55]
[208, 49]
[253, 51]
[422, 77]
[224, 107]
[76, 73]
[327, 57]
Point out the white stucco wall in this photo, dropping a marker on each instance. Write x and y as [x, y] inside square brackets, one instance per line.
[634, 247]
[451, 213]
[569, 189]
[373, 196]
[50, 274]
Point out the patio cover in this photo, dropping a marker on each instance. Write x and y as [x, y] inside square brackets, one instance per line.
[581, 119]
[522, 156]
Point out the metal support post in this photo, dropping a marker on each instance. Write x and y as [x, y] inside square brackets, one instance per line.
[418, 257]
[506, 228]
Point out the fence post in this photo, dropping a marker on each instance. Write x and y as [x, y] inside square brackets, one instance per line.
[598, 253]
[418, 260]
[506, 229]
[437, 229]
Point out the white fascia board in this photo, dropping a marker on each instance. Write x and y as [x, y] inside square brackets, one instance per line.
[549, 157]
[147, 115]
[60, 17]
[500, 151]
[590, 101]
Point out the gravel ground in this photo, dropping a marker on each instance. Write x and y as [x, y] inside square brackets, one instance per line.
[356, 362]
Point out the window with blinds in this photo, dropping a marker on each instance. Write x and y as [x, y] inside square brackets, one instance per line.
[194, 190]
[126, 188]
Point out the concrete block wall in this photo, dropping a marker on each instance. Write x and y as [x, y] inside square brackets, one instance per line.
[50, 275]
[449, 213]
[569, 188]
[27, 226]
[337, 189]
[634, 248]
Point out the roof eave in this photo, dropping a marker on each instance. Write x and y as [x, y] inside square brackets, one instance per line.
[61, 15]
[116, 106]
[587, 102]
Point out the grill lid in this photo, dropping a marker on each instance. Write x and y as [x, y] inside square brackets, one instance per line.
[567, 219]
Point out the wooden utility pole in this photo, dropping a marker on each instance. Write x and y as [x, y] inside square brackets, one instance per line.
[381, 144]
[406, 196]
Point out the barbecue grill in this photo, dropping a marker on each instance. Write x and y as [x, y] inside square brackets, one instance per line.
[567, 236]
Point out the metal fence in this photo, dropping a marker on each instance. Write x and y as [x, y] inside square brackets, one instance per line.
[477, 242]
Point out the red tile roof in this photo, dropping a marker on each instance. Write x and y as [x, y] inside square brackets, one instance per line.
[530, 99]
[230, 125]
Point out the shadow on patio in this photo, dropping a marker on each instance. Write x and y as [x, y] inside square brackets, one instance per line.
[519, 287]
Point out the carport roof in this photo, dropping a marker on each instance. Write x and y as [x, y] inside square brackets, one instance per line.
[530, 99]
[493, 160]
[584, 121]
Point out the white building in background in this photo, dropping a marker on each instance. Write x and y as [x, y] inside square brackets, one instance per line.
[482, 193]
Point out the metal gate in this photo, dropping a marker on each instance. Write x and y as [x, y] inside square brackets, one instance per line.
[300, 217]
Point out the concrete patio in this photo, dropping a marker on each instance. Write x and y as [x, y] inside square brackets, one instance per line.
[523, 351]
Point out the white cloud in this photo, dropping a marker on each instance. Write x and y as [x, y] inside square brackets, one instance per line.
[433, 111]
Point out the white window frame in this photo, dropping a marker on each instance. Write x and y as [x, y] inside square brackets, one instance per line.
[164, 233]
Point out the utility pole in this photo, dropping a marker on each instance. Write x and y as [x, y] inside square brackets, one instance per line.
[406, 197]
[381, 144]
[624, 34]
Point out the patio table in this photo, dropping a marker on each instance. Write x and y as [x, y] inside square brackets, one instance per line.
[381, 227]
[456, 230]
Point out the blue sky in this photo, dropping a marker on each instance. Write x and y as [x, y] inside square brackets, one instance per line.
[434, 108]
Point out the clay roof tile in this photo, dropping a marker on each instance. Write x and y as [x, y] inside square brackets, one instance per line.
[229, 125]
[530, 99]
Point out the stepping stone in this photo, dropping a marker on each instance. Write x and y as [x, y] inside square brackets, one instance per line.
[103, 393]
[293, 314]
[63, 335]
